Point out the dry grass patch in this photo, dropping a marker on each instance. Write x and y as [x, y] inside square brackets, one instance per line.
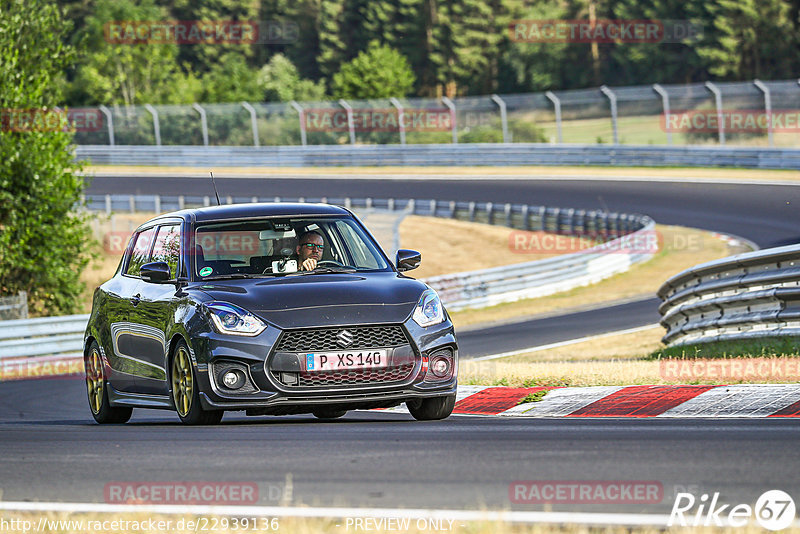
[449, 246]
[682, 248]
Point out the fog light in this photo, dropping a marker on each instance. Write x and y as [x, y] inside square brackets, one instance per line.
[233, 379]
[440, 367]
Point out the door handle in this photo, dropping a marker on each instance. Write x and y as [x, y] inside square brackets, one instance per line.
[135, 299]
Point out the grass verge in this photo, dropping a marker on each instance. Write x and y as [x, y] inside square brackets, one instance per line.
[763, 347]
[681, 248]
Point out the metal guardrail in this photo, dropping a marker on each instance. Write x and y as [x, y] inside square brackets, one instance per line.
[755, 294]
[64, 335]
[476, 154]
[44, 336]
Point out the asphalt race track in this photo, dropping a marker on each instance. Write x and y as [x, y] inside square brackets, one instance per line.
[51, 450]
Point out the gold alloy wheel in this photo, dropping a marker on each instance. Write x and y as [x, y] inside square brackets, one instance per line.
[182, 383]
[94, 381]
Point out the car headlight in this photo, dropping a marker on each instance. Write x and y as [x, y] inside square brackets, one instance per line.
[429, 309]
[231, 319]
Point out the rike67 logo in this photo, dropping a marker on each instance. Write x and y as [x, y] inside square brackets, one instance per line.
[774, 510]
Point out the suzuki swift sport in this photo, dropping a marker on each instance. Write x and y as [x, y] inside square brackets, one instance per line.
[272, 309]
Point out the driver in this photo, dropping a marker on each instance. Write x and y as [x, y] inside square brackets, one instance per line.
[309, 250]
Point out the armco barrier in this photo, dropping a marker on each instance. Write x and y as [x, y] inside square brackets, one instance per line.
[749, 295]
[63, 335]
[477, 154]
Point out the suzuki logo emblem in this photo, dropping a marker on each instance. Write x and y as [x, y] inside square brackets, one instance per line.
[344, 338]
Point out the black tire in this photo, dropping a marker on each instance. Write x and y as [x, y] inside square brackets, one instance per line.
[97, 390]
[185, 391]
[432, 409]
[328, 413]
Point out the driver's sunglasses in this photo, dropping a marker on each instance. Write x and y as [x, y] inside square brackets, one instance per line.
[312, 246]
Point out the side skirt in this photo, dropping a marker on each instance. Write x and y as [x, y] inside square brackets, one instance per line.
[138, 400]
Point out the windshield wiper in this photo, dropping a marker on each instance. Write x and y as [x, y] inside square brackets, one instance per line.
[231, 276]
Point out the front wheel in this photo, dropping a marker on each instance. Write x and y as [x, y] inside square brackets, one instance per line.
[431, 409]
[185, 394]
[102, 411]
[328, 413]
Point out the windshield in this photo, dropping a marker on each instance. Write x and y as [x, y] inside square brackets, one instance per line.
[272, 247]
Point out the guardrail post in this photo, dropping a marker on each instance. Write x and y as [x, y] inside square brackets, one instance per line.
[400, 119]
[132, 203]
[526, 222]
[254, 200]
[503, 118]
[348, 203]
[203, 122]
[412, 205]
[433, 208]
[490, 213]
[253, 121]
[507, 211]
[557, 107]
[302, 114]
[471, 212]
[350, 124]
[157, 203]
[108, 204]
[452, 209]
[390, 204]
[181, 202]
[368, 203]
[718, 100]
[612, 98]
[665, 104]
[109, 122]
[156, 125]
[452, 107]
[767, 109]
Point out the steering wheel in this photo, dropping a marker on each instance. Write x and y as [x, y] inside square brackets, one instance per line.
[329, 262]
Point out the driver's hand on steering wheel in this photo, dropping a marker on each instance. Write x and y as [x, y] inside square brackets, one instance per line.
[309, 264]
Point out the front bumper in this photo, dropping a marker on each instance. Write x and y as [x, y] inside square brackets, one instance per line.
[268, 396]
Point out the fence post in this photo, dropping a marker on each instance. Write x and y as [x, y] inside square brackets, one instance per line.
[350, 125]
[557, 106]
[503, 117]
[108, 204]
[253, 121]
[110, 123]
[302, 114]
[665, 104]
[203, 122]
[452, 107]
[767, 109]
[718, 100]
[156, 125]
[400, 119]
[612, 98]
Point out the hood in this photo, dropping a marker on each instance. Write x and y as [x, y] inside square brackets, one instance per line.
[322, 299]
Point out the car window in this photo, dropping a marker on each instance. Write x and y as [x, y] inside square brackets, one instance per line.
[357, 246]
[141, 251]
[167, 247]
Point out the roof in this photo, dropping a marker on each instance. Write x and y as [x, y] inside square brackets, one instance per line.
[248, 210]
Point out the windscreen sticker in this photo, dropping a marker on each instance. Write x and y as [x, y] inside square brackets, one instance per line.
[205, 271]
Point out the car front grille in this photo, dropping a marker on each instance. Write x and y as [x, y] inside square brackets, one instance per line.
[363, 337]
[356, 377]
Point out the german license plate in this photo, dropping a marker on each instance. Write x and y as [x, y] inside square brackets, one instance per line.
[337, 361]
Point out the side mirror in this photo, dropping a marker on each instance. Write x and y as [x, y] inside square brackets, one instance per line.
[156, 272]
[407, 259]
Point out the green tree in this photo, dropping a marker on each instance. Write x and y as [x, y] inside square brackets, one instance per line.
[43, 241]
[281, 82]
[121, 73]
[378, 72]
